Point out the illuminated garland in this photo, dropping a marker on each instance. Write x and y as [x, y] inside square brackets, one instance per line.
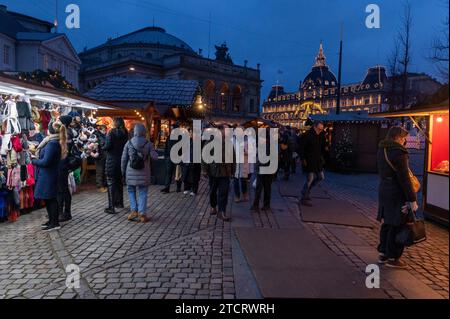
[49, 78]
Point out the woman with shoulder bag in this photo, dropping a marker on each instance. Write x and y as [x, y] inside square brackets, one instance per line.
[397, 195]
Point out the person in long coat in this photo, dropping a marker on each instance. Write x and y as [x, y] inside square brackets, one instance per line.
[191, 173]
[242, 172]
[114, 145]
[48, 156]
[396, 195]
[312, 149]
[138, 180]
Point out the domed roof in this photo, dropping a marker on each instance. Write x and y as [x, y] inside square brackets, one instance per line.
[151, 35]
[320, 74]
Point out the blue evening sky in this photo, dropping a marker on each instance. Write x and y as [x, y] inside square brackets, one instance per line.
[280, 34]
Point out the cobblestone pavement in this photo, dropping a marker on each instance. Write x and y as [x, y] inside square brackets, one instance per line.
[183, 252]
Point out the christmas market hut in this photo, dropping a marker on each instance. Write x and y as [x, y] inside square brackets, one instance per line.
[435, 184]
[352, 140]
[157, 103]
[27, 106]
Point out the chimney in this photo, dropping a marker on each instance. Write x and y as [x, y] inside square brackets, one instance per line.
[3, 8]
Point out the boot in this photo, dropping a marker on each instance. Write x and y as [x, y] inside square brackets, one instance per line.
[110, 209]
[179, 186]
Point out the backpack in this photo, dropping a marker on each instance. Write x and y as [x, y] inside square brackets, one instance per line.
[137, 159]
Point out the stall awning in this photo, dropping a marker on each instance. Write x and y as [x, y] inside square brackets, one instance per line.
[440, 108]
[14, 86]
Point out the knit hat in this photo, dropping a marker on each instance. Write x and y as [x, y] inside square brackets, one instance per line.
[66, 120]
[74, 114]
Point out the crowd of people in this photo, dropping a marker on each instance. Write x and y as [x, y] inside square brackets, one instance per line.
[124, 160]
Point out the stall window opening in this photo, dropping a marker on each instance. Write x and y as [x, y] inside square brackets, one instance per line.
[439, 147]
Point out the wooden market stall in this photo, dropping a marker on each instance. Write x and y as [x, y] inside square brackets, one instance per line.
[352, 140]
[154, 102]
[435, 188]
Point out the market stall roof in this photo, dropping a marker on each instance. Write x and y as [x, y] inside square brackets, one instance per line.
[260, 122]
[354, 116]
[160, 91]
[438, 108]
[12, 85]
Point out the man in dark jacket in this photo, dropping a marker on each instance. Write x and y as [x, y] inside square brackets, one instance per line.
[170, 166]
[219, 181]
[285, 152]
[396, 195]
[312, 148]
[100, 162]
[263, 182]
[114, 144]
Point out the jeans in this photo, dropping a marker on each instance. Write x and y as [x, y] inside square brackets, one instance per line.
[312, 180]
[387, 245]
[138, 203]
[218, 195]
[52, 211]
[240, 186]
[263, 182]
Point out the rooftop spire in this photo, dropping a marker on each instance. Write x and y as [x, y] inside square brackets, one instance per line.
[320, 58]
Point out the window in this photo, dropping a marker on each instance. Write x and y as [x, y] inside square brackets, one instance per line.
[252, 106]
[6, 53]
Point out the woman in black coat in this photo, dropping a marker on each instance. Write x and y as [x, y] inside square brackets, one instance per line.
[114, 145]
[396, 195]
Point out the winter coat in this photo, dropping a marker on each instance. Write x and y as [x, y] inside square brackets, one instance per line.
[242, 169]
[191, 171]
[135, 177]
[101, 145]
[47, 167]
[114, 145]
[312, 150]
[221, 169]
[395, 188]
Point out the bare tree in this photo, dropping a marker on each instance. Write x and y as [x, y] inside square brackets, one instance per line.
[404, 37]
[393, 65]
[440, 51]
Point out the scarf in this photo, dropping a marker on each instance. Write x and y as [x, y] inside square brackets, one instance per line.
[45, 141]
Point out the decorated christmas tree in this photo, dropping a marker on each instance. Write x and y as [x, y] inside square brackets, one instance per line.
[344, 150]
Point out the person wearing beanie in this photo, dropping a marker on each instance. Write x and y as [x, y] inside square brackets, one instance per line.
[138, 179]
[47, 159]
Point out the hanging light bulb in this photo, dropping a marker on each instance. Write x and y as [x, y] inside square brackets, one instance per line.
[198, 102]
[439, 119]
